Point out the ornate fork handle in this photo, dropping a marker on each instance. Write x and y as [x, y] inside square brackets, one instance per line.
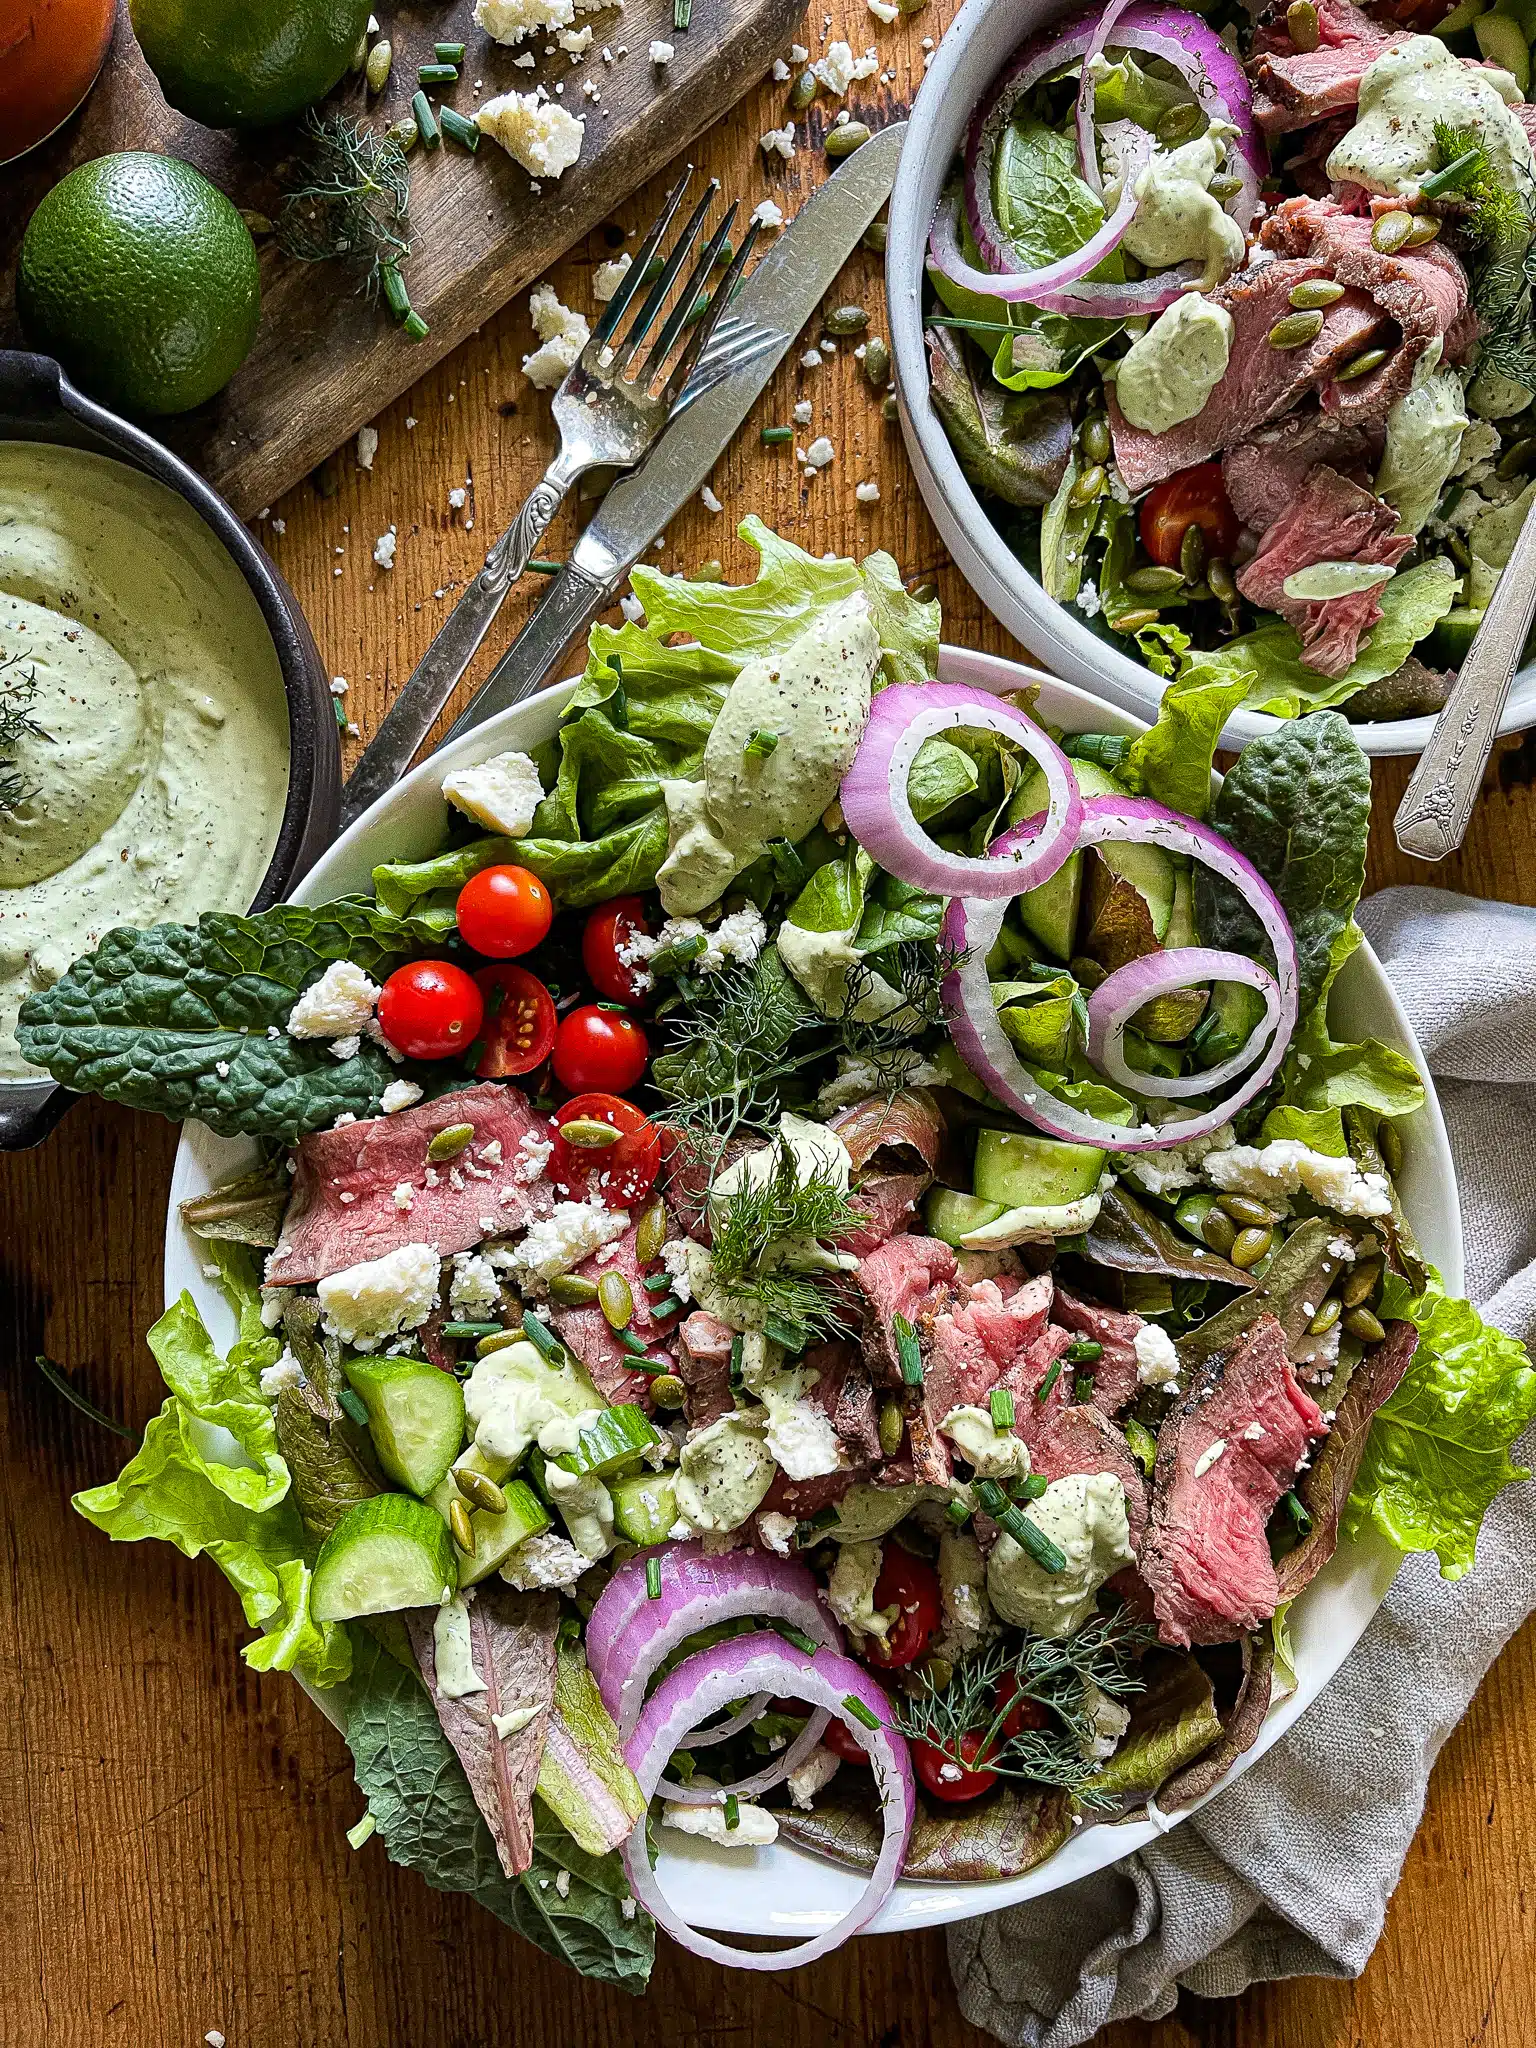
[414, 712]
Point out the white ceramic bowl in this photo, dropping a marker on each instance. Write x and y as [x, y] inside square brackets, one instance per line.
[787, 1891]
[979, 43]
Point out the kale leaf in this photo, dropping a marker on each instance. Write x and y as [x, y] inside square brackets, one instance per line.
[175, 1019]
[1298, 804]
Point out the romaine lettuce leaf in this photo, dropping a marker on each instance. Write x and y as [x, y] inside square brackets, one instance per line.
[1322, 1072]
[1438, 1451]
[1172, 763]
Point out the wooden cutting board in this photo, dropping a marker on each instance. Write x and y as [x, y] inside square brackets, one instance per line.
[325, 361]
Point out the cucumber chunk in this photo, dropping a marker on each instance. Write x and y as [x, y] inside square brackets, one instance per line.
[951, 1217]
[1451, 641]
[496, 1536]
[644, 1506]
[415, 1417]
[1033, 1223]
[613, 1443]
[1018, 1171]
[385, 1554]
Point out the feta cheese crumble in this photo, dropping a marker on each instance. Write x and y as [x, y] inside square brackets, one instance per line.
[607, 277]
[867, 493]
[768, 214]
[509, 21]
[709, 501]
[755, 1827]
[502, 793]
[378, 1299]
[384, 550]
[474, 1290]
[1287, 1167]
[570, 1233]
[338, 1005]
[563, 335]
[1157, 1362]
[544, 1563]
[779, 141]
[660, 53]
[367, 446]
[538, 134]
[820, 452]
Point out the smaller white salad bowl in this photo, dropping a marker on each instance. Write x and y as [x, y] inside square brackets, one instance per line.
[976, 47]
[787, 1891]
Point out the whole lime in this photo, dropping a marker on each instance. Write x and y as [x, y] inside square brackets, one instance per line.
[142, 279]
[247, 63]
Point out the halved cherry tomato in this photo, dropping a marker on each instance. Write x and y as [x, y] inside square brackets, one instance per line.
[840, 1739]
[519, 1022]
[1023, 1713]
[912, 1585]
[1195, 497]
[430, 1010]
[609, 927]
[950, 1781]
[598, 1048]
[626, 1170]
[504, 911]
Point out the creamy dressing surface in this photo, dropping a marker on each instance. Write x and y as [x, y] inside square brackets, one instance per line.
[160, 785]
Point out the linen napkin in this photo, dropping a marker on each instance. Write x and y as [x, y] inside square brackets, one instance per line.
[1288, 1873]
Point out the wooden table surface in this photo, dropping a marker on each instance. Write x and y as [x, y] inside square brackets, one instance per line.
[172, 1856]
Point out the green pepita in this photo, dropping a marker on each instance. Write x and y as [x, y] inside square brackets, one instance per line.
[1360, 1284]
[616, 1299]
[1361, 1323]
[1391, 231]
[258, 223]
[1178, 124]
[1219, 1232]
[380, 57]
[404, 132]
[1090, 484]
[667, 1390]
[890, 411]
[845, 139]
[1192, 552]
[844, 320]
[802, 92]
[1515, 461]
[1154, 582]
[651, 1232]
[1314, 292]
[1245, 1210]
[479, 1491]
[499, 1342]
[449, 1143]
[460, 1528]
[1326, 1316]
[1132, 622]
[1097, 445]
[877, 364]
[1249, 1246]
[891, 1425]
[1301, 25]
[1296, 330]
[1362, 365]
[572, 1290]
[874, 238]
[590, 1133]
[712, 571]
[1425, 228]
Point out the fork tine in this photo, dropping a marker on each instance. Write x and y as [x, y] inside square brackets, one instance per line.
[725, 291]
[677, 319]
[630, 283]
[641, 325]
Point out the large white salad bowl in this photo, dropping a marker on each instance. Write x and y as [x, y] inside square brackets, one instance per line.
[977, 46]
[787, 1891]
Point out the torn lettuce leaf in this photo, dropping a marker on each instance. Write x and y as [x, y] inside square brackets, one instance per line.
[1172, 762]
[1013, 445]
[1322, 1072]
[1438, 1451]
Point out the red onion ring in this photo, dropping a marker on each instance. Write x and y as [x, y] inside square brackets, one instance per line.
[971, 927]
[878, 810]
[630, 1635]
[702, 1685]
[1052, 288]
[1120, 995]
[1087, 141]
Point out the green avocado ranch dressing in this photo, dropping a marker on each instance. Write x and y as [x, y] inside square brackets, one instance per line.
[157, 775]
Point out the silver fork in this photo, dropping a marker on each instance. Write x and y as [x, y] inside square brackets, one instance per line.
[609, 410]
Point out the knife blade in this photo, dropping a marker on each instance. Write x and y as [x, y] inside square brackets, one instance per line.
[760, 328]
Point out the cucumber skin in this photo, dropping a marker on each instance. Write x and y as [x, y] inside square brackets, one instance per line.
[392, 1518]
[951, 1216]
[415, 1417]
[1019, 1172]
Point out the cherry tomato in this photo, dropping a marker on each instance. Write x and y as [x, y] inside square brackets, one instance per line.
[627, 1170]
[597, 1048]
[1195, 497]
[608, 928]
[519, 1022]
[840, 1739]
[430, 1010]
[503, 912]
[1024, 1712]
[950, 1781]
[911, 1584]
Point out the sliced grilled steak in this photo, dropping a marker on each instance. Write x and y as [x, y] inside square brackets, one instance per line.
[1292, 88]
[1114, 1374]
[894, 1142]
[1225, 1454]
[590, 1335]
[1077, 1438]
[1264, 473]
[1329, 520]
[907, 1276]
[704, 1367]
[980, 1339]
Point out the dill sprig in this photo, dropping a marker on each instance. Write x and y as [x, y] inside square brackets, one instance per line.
[1061, 1676]
[351, 201]
[18, 693]
[1496, 225]
[773, 1231]
[732, 1041]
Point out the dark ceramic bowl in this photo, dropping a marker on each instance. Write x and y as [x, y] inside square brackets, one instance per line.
[38, 403]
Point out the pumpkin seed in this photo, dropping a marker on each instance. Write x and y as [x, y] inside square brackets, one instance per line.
[258, 223]
[1097, 445]
[1425, 228]
[572, 1290]
[889, 409]
[1132, 622]
[874, 238]
[911, 6]
[938, 1671]
[404, 132]
[1222, 583]
[616, 1299]
[1362, 1324]
[877, 364]
[843, 141]
[1296, 330]
[499, 1342]
[1513, 462]
[712, 571]
[667, 1390]
[590, 1134]
[1224, 186]
[449, 1142]
[1219, 1232]
[891, 1425]
[380, 57]
[1301, 24]
[1192, 552]
[460, 1527]
[480, 1491]
[1179, 123]
[1154, 582]
[845, 320]
[651, 1233]
[1090, 484]
[1391, 231]
[1362, 365]
[925, 593]
[1360, 1284]
[1389, 1139]
[1249, 1246]
[1244, 1209]
[802, 92]
[1313, 292]
[1326, 1316]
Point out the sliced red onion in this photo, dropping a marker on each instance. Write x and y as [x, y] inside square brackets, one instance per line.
[630, 1636]
[879, 812]
[1120, 995]
[972, 928]
[828, 1681]
[1087, 140]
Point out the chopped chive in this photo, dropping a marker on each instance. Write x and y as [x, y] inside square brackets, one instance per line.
[957, 1514]
[737, 1347]
[1446, 180]
[1084, 1351]
[1143, 1444]
[1049, 1381]
[1002, 1408]
[760, 745]
[426, 124]
[788, 867]
[855, 1706]
[1298, 1514]
[352, 1406]
[540, 1335]
[633, 1344]
[470, 1331]
[807, 1532]
[653, 1578]
[668, 959]
[464, 132]
[1083, 1388]
[682, 13]
[908, 1353]
[341, 714]
[668, 1306]
[1035, 1541]
[448, 53]
[790, 1336]
[775, 437]
[439, 74]
[732, 1813]
[659, 1283]
[413, 327]
[797, 1637]
[1032, 1487]
[542, 568]
[362, 1832]
[396, 297]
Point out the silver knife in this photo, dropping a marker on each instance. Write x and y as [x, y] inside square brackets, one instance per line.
[761, 326]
